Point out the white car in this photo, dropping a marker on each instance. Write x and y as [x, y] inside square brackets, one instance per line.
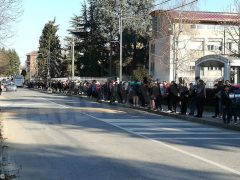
[11, 87]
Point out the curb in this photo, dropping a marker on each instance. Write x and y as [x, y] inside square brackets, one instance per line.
[203, 120]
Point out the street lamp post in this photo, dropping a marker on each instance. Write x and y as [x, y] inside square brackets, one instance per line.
[120, 19]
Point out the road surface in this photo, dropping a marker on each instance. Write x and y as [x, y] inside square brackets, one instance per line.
[67, 138]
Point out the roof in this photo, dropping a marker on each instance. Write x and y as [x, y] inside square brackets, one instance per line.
[33, 53]
[200, 16]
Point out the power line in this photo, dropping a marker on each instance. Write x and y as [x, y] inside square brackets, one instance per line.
[172, 8]
[182, 5]
[162, 3]
[156, 5]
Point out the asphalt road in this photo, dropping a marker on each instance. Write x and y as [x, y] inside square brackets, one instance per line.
[67, 138]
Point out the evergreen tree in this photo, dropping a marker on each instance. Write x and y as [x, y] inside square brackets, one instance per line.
[49, 51]
[136, 29]
[13, 63]
[97, 49]
[90, 48]
[3, 61]
[9, 62]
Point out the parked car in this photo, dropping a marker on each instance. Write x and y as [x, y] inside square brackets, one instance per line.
[5, 82]
[11, 87]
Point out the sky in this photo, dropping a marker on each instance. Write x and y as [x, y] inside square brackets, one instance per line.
[38, 12]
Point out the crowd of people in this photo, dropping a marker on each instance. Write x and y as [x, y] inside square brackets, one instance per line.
[153, 94]
[227, 102]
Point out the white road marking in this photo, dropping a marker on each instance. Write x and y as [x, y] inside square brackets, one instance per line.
[148, 123]
[181, 129]
[193, 133]
[195, 138]
[163, 144]
[172, 147]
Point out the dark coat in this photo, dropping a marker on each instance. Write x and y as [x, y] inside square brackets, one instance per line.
[226, 101]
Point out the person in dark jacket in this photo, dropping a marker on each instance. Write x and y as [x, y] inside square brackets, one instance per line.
[226, 105]
[0, 87]
[135, 93]
[200, 97]
[192, 99]
[174, 95]
[154, 93]
[236, 105]
[218, 88]
[184, 92]
[144, 94]
[166, 96]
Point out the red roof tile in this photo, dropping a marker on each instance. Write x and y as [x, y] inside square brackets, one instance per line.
[201, 16]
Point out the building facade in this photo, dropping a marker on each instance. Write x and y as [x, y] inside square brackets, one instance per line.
[188, 44]
[31, 65]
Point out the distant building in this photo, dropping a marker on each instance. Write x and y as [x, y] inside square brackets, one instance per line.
[188, 44]
[31, 65]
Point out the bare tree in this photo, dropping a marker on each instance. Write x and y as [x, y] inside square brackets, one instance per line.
[10, 11]
[231, 34]
[175, 34]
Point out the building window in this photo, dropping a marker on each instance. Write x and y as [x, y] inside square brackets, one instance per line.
[193, 26]
[210, 68]
[192, 68]
[202, 71]
[206, 26]
[197, 44]
[154, 26]
[214, 48]
[210, 47]
[229, 46]
[152, 68]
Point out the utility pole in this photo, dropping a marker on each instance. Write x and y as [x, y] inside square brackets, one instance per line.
[48, 64]
[73, 73]
[174, 52]
[120, 19]
[120, 44]
[36, 66]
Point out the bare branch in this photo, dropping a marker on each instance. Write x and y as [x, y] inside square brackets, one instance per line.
[10, 11]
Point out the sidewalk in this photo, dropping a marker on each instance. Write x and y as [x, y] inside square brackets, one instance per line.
[206, 119]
